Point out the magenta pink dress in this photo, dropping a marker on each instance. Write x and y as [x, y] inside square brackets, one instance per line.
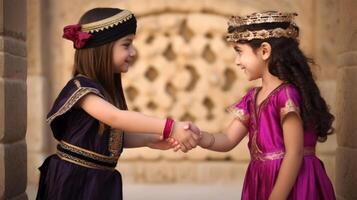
[266, 145]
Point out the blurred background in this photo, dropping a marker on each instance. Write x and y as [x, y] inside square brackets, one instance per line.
[184, 69]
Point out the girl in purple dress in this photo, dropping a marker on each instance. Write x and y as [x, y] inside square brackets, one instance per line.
[90, 119]
[284, 118]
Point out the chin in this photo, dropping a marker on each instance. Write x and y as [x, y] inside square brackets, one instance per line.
[124, 70]
[250, 78]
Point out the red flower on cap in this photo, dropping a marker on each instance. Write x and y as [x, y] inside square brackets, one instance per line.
[74, 33]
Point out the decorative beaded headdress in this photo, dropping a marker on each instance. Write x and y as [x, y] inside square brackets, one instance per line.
[262, 18]
[102, 31]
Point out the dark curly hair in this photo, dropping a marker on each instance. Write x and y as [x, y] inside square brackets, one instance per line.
[289, 64]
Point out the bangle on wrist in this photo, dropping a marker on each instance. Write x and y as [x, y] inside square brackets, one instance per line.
[168, 128]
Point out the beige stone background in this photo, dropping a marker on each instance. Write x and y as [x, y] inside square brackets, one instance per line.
[184, 69]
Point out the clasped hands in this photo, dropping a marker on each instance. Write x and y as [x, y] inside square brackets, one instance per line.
[185, 136]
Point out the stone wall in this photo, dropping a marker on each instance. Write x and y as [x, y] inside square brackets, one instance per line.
[13, 68]
[346, 168]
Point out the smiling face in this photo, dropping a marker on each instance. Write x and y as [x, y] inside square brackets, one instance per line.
[253, 62]
[123, 53]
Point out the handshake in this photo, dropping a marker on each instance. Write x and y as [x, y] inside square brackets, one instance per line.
[185, 136]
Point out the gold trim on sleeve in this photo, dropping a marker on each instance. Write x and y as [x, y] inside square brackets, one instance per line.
[72, 100]
[239, 114]
[289, 107]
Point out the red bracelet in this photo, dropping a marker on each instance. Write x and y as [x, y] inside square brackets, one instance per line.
[168, 128]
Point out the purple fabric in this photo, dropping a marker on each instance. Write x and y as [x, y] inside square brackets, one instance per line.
[266, 137]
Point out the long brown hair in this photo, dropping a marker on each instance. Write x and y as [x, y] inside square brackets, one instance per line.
[97, 63]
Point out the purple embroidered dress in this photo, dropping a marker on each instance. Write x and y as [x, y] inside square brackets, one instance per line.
[84, 165]
[266, 145]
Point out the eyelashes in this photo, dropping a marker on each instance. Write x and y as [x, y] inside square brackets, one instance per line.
[237, 50]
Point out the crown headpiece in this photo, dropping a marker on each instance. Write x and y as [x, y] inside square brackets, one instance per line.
[262, 18]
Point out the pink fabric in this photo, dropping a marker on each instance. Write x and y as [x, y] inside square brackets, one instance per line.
[266, 137]
[74, 33]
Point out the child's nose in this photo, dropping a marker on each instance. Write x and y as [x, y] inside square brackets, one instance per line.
[237, 61]
[133, 52]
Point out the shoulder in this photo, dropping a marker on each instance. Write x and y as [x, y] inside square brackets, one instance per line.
[246, 99]
[72, 92]
[250, 93]
[289, 91]
[241, 108]
[80, 83]
[84, 81]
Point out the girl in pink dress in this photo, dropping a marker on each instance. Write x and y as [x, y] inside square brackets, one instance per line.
[284, 118]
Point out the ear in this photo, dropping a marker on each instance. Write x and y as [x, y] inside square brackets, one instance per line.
[265, 50]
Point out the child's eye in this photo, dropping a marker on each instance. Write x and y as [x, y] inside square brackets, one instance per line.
[127, 44]
[238, 51]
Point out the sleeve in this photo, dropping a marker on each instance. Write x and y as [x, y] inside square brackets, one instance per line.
[74, 90]
[289, 101]
[240, 110]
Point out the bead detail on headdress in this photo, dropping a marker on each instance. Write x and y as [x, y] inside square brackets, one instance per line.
[290, 32]
[260, 18]
[263, 17]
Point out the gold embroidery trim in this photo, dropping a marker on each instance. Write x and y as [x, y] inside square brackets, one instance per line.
[262, 17]
[289, 32]
[78, 84]
[81, 162]
[115, 142]
[107, 23]
[72, 100]
[238, 113]
[308, 151]
[255, 147]
[289, 107]
[88, 153]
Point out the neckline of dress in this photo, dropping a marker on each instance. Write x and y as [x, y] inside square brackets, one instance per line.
[257, 90]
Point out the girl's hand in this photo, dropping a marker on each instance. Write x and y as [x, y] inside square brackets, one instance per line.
[187, 138]
[192, 127]
[189, 126]
[157, 143]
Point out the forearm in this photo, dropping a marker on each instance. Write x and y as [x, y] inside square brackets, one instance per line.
[221, 142]
[134, 122]
[135, 140]
[127, 121]
[288, 173]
